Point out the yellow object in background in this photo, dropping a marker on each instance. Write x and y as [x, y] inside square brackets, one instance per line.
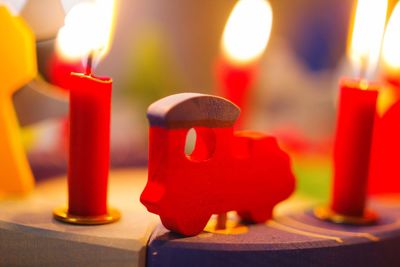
[17, 67]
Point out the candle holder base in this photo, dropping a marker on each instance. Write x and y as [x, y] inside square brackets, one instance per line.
[61, 214]
[327, 214]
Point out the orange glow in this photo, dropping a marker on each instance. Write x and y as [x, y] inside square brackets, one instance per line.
[247, 31]
[391, 41]
[387, 97]
[88, 28]
[366, 39]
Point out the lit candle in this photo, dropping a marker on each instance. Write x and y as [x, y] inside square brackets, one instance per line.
[355, 122]
[89, 144]
[352, 146]
[384, 173]
[17, 67]
[244, 40]
[90, 104]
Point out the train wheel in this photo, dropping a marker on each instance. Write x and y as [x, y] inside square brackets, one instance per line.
[186, 224]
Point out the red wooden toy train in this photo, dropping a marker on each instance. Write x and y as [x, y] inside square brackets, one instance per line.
[243, 171]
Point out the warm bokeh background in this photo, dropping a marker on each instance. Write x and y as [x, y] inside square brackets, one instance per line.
[164, 47]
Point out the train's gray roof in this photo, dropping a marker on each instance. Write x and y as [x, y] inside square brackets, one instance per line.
[192, 109]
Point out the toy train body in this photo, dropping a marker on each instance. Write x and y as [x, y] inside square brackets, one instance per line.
[243, 171]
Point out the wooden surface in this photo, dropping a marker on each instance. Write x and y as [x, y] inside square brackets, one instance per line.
[290, 240]
[29, 236]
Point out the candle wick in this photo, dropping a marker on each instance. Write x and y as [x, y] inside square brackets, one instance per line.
[89, 64]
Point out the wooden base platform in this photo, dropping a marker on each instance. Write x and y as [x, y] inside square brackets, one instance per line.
[296, 239]
[29, 236]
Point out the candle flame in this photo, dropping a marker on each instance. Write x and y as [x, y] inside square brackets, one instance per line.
[247, 31]
[391, 41]
[366, 40]
[88, 29]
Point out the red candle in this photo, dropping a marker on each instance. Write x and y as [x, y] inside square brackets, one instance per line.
[357, 108]
[87, 33]
[244, 41]
[235, 81]
[89, 144]
[356, 118]
[384, 172]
